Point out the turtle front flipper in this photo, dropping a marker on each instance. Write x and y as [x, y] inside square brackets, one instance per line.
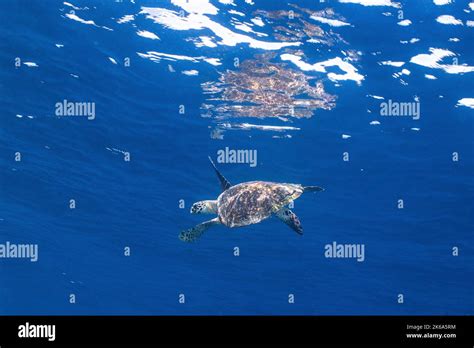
[225, 184]
[290, 218]
[191, 234]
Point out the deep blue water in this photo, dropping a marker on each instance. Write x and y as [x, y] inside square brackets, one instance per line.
[136, 204]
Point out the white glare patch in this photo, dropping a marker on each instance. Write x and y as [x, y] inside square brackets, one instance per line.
[248, 126]
[227, 2]
[213, 61]
[190, 72]
[197, 7]
[59, 45]
[404, 23]
[470, 23]
[468, 102]
[374, 123]
[454, 39]
[79, 19]
[112, 60]
[436, 55]
[204, 41]
[350, 71]
[83, 21]
[346, 136]
[237, 13]
[243, 27]
[412, 41]
[158, 56]
[247, 29]
[372, 2]
[31, 64]
[448, 20]
[375, 96]
[441, 2]
[114, 150]
[331, 22]
[148, 35]
[125, 19]
[71, 5]
[430, 77]
[258, 21]
[415, 129]
[396, 64]
[198, 21]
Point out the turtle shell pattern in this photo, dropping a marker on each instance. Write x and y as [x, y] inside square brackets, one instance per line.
[251, 202]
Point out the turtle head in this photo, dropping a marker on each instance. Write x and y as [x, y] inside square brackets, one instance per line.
[287, 193]
[204, 207]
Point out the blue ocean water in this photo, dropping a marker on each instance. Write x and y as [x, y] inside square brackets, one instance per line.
[144, 65]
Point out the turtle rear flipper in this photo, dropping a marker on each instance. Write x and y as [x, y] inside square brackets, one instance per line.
[290, 218]
[312, 189]
[191, 234]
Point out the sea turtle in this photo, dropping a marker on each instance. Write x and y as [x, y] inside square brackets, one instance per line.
[248, 203]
